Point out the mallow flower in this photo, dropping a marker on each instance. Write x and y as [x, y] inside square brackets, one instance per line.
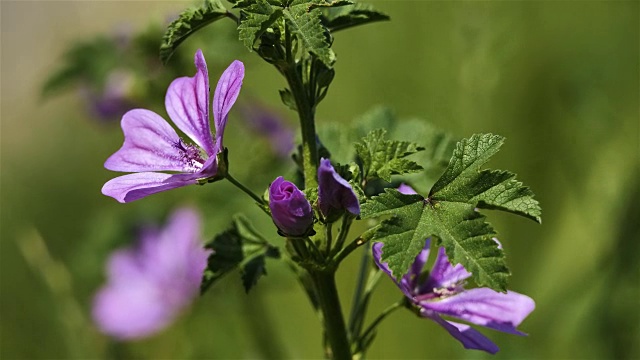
[290, 209]
[335, 195]
[442, 293]
[152, 145]
[150, 284]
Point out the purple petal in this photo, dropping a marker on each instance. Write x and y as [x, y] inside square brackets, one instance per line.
[443, 274]
[131, 308]
[225, 96]
[376, 251]
[468, 336]
[335, 194]
[406, 189]
[176, 256]
[485, 307]
[187, 104]
[150, 144]
[412, 277]
[290, 209]
[132, 187]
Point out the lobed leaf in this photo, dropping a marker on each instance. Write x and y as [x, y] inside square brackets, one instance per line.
[306, 26]
[350, 16]
[382, 158]
[256, 19]
[187, 23]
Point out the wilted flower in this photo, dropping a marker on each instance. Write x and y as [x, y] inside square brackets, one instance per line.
[442, 293]
[290, 209]
[335, 195]
[151, 144]
[150, 284]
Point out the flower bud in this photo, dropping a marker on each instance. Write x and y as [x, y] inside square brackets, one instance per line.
[290, 210]
[335, 195]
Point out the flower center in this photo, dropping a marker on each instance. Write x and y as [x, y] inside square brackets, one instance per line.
[190, 156]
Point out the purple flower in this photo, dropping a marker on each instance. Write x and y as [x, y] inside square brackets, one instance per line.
[334, 193]
[442, 294]
[151, 144]
[149, 285]
[264, 122]
[290, 209]
[114, 99]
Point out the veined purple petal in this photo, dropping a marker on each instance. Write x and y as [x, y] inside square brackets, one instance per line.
[187, 104]
[135, 186]
[412, 277]
[335, 194]
[468, 336]
[376, 251]
[225, 96]
[150, 144]
[290, 209]
[485, 307]
[443, 274]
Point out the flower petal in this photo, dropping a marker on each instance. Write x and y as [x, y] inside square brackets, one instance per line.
[132, 187]
[335, 194]
[150, 144]
[444, 274]
[468, 336]
[187, 104]
[406, 189]
[485, 307]
[131, 308]
[225, 96]
[412, 277]
[376, 251]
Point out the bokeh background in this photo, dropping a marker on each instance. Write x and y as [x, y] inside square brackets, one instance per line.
[559, 79]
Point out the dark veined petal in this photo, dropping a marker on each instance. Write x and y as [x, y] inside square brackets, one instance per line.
[412, 277]
[468, 336]
[225, 96]
[376, 251]
[290, 209]
[335, 194]
[443, 274]
[187, 103]
[132, 187]
[486, 307]
[150, 144]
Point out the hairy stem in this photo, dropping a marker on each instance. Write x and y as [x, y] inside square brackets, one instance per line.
[329, 304]
[246, 190]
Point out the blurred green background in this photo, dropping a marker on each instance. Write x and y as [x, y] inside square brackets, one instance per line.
[559, 79]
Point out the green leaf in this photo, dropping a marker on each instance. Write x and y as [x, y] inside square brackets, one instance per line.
[187, 23]
[463, 232]
[382, 158]
[306, 26]
[288, 99]
[463, 181]
[350, 16]
[240, 246]
[449, 214]
[255, 20]
[329, 4]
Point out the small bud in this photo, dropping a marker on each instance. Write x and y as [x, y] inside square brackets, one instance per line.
[290, 210]
[335, 195]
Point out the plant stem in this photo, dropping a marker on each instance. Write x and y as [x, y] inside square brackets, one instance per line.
[377, 321]
[306, 113]
[246, 190]
[329, 303]
[356, 313]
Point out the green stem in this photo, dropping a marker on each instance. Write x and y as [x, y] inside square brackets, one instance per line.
[348, 250]
[357, 312]
[306, 113]
[379, 319]
[347, 219]
[328, 237]
[246, 190]
[329, 303]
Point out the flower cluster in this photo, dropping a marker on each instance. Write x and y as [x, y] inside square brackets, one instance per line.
[292, 212]
[150, 284]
